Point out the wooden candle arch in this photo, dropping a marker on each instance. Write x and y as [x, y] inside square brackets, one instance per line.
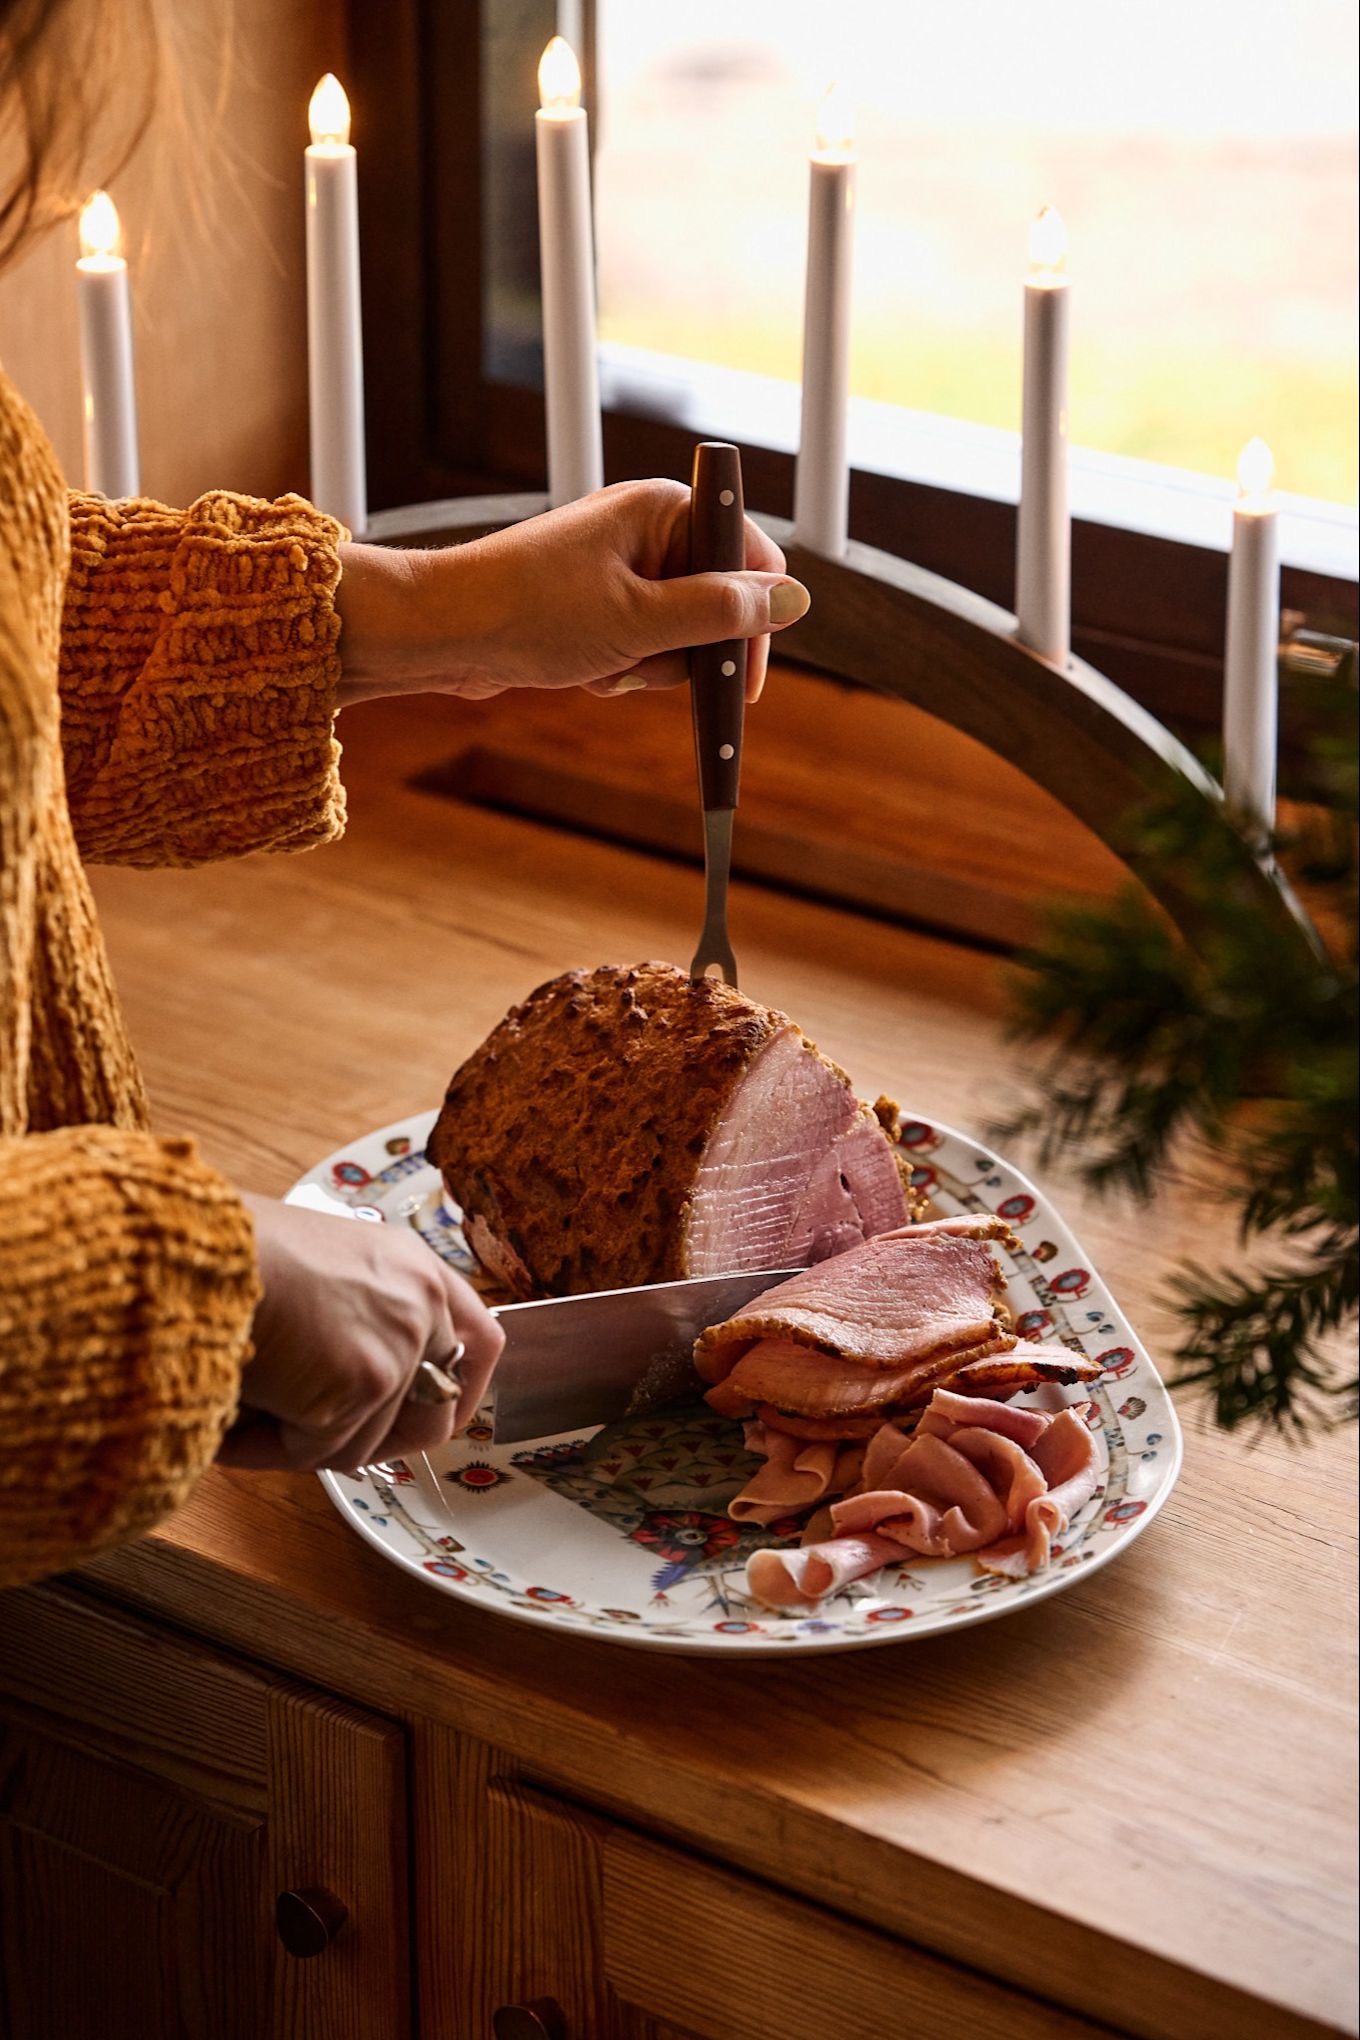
[879, 622]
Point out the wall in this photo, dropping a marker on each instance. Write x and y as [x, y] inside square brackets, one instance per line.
[213, 229]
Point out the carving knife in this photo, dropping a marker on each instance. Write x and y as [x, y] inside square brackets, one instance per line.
[571, 1362]
[574, 1361]
[717, 544]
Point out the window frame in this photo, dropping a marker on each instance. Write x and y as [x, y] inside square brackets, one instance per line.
[1148, 610]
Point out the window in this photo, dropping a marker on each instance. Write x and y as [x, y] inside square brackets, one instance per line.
[702, 119]
[1202, 154]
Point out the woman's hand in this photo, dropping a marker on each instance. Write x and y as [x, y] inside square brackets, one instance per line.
[595, 595]
[349, 1312]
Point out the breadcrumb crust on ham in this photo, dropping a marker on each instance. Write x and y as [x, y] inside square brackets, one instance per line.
[630, 1125]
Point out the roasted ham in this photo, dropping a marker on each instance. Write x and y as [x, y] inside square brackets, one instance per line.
[625, 1126]
[974, 1478]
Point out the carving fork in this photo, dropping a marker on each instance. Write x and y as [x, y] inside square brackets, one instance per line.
[717, 544]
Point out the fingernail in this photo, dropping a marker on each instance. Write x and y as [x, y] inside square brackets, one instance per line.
[626, 683]
[788, 601]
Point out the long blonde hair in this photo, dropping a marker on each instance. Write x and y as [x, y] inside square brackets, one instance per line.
[60, 61]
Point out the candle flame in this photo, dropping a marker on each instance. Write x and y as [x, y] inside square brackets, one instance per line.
[328, 112]
[1047, 242]
[101, 231]
[559, 78]
[1255, 470]
[836, 123]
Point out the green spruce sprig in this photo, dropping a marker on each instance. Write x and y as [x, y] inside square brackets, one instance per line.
[1242, 1044]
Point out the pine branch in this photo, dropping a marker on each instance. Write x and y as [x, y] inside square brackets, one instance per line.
[1159, 1044]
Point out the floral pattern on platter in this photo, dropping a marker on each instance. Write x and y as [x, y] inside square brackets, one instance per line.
[623, 1533]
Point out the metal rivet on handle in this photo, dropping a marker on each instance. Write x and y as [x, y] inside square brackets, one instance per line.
[729, 667]
[726, 497]
[726, 751]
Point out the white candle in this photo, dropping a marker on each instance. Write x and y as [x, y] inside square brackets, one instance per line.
[566, 245]
[1251, 681]
[821, 487]
[335, 356]
[108, 396]
[1043, 553]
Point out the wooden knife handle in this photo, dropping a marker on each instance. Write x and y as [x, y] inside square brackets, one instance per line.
[717, 544]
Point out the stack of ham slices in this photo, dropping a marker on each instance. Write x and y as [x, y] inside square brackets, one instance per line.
[871, 1385]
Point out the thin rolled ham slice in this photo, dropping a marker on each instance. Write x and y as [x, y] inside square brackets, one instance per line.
[939, 1503]
[1027, 1427]
[796, 1475]
[800, 1579]
[963, 1483]
[1067, 1456]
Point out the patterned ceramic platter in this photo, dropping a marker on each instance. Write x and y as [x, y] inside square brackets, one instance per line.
[622, 1533]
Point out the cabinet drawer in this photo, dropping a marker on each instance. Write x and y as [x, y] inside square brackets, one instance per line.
[621, 1931]
[157, 1799]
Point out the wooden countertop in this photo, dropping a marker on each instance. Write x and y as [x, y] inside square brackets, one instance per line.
[1136, 1799]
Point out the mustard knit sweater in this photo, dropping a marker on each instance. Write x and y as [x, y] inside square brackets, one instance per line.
[167, 689]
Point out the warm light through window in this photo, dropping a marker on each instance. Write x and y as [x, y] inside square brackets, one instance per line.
[1210, 203]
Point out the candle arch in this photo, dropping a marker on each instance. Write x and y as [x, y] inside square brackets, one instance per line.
[877, 621]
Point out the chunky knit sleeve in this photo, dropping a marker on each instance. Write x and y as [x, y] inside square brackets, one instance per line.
[199, 666]
[127, 1285]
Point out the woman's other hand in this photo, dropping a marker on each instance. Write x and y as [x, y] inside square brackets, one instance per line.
[594, 595]
[349, 1312]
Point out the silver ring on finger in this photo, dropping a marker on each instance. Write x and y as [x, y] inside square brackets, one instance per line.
[435, 1383]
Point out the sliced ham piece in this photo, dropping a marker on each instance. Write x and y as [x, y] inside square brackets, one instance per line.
[811, 1383]
[899, 1298]
[1027, 1427]
[873, 1333]
[971, 1225]
[631, 1125]
[796, 1475]
[974, 1478]
[1067, 1457]
[802, 1578]
[1024, 1366]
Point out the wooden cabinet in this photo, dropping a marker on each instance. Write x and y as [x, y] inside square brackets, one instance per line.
[158, 1795]
[157, 1802]
[538, 1917]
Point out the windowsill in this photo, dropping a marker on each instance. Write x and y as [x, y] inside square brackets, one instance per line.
[974, 460]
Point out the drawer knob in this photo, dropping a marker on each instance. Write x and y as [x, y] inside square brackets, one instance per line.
[309, 1920]
[541, 2019]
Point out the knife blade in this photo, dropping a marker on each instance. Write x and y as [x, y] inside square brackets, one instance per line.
[717, 544]
[573, 1361]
